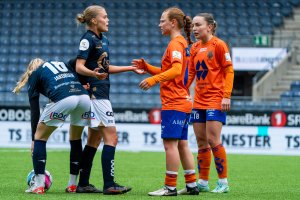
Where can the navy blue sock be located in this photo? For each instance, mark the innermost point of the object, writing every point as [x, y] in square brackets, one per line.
[108, 162]
[88, 155]
[75, 156]
[39, 156]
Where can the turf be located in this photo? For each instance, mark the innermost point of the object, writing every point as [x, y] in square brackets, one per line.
[251, 176]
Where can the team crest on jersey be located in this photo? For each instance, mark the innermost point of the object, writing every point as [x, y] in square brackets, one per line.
[210, 55]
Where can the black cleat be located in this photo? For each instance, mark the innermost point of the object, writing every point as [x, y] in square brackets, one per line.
[116, 189]
[189, 191]
[88, 189]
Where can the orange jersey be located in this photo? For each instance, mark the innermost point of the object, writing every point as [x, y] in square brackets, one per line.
[210, 63]
[173, 93]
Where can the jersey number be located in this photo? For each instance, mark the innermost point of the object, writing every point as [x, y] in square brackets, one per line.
[56, 67]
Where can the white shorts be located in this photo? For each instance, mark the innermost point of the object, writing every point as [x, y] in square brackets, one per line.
[101, 113]
[78, 107]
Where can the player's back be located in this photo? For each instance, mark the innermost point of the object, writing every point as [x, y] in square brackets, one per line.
[55, 80]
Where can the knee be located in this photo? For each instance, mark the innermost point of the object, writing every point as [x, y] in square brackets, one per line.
[213, 141]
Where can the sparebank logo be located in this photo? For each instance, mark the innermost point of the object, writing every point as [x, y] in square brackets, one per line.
[201, 70]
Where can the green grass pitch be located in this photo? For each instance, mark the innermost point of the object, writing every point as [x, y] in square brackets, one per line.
[250, 176]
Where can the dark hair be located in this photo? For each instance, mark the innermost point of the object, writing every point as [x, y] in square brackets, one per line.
[88, 14]
[183, 21]
[209, 18]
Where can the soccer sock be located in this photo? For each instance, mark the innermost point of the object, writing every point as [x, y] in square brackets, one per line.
[108, 165]
[220, 160]
[39, 157]
[204, 160]
[171, 179]
[86, 164]
[190, 178]
[75, 156]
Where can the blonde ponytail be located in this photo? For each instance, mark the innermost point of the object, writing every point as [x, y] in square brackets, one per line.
[32, 66]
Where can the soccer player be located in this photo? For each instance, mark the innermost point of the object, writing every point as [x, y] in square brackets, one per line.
[93, 53]
[58, 82]
[176, 102]
[210, 63]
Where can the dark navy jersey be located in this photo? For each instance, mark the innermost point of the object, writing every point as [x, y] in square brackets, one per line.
[55, 80]
[94, 49]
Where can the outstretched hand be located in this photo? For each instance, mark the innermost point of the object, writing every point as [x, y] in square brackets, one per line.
[100, 76]
[139, 63]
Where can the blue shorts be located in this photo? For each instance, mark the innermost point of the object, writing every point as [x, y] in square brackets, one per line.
[201, 116]
[174, 124]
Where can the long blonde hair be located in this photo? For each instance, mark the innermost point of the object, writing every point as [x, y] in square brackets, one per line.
[32, 66]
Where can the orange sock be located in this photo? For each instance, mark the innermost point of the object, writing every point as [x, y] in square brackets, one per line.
[220, 160]
[171, 178]
[190, 176]
[204, 160]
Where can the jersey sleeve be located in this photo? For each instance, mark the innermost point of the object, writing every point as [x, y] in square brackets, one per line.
[191, 67]
[85, 47]
[176, 52]
[223, 55]
[33, 83]
[34, 114]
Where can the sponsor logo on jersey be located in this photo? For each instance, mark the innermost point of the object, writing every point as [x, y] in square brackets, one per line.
[202, 49]
[84, 45]
[176, 54]
[201, 70]
[227, 57]
[59, 116]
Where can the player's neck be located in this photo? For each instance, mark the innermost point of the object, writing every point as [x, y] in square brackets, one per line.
[175, 34]
[95, 30]
[205, 40]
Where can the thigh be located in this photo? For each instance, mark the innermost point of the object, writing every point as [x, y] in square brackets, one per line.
[43, 131]
[213, 130]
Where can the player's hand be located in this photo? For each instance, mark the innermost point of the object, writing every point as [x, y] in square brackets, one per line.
[225, 104]
[138, 71]
[100, 76]
[140, 64]
[87, 86]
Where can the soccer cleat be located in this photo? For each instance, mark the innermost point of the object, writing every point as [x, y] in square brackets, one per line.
[221, 188]
[203, 188]
[87, 189]
[189, 191]
[116, 189]
[165, 191]
[35, 190]
[71, 189]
